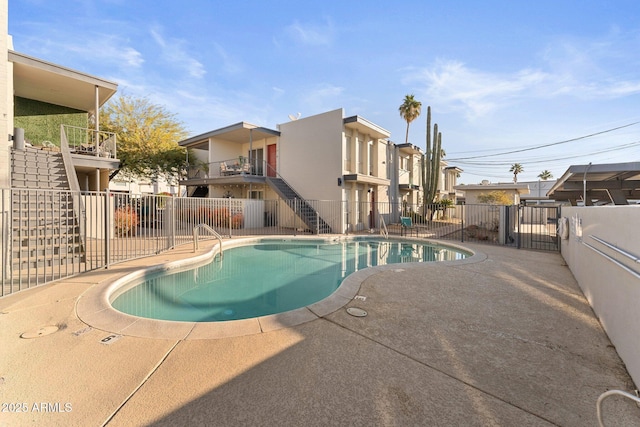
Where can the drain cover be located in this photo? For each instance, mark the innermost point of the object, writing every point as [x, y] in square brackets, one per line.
[110, 339]
[355, 311]
[40, 332]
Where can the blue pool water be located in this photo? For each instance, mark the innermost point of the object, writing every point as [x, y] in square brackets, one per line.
[268, 277]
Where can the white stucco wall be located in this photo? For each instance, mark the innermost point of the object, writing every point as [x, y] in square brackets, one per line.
[310, 155]
[613, 292]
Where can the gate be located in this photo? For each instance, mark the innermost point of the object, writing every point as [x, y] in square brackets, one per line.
[537, 227]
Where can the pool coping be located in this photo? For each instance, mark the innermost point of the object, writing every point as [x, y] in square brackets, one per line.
[94, 307]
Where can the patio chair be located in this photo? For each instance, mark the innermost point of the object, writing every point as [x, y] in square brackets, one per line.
[407, 226]
[246, 168]
[224, 170]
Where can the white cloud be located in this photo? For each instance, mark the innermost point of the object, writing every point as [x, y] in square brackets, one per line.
[311, 34]
[320, 98]
[229, 64]
[456, 87]
[175, 52]
[452, 85]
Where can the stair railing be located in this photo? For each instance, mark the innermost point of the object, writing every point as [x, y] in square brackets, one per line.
[74, 185]
[268, 168]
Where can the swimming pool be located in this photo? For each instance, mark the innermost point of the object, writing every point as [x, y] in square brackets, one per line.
[266, 277]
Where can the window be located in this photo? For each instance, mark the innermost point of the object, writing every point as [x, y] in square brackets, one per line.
[371, 156]
[257, 159]
[361, 154]
[347, 147]
[256, 195]
[404, 163]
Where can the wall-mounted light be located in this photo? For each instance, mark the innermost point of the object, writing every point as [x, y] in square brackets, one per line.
[339, 182]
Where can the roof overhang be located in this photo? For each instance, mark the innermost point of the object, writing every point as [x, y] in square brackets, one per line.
[43, 81]
[518, 188]
[364, 126]
[454, 169]
[616, 183]
[366, 179]
[239, 133]
[409, 148]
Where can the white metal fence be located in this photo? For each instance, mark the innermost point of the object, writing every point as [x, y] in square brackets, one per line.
[47, 235]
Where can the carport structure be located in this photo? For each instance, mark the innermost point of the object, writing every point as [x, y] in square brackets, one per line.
[614, 183]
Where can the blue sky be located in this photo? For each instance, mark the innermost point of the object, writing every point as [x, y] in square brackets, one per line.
[500, 76]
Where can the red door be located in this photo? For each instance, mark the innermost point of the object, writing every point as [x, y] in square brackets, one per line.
[271, 160]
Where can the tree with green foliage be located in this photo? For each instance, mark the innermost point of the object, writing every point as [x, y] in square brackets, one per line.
[495, 197]
[516, 168]
[545, 175]
[147, 136]
[410, 110]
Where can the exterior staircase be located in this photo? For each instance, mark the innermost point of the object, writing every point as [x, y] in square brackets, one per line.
[304, 210]
[38, 169]
[200, 191]
[45, 233]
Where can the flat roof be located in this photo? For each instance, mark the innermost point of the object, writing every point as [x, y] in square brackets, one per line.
[616, 183]
[365, 126]
[409, 148]
[240, 133]
[519, 188]
[44, 81]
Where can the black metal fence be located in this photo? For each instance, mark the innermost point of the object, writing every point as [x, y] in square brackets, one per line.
[47, 235]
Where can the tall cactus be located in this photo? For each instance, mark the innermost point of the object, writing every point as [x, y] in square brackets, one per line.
[431, 163]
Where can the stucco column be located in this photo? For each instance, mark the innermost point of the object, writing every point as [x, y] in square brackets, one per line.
[97, 121]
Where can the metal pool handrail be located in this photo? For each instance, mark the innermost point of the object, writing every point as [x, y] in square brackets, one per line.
[383, 229]
[210, 230]
[609, 393]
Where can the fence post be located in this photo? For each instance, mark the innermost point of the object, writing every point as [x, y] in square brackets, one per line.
[172, 221]
[462, 225]
[295, 216]
[6, 261]
[518, 242]
[558, 214]
[230, 215]
[107, 228]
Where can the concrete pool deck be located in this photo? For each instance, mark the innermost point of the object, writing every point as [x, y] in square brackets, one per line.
[508, 339]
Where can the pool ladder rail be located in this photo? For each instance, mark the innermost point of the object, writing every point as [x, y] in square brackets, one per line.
[383, 230]
[196, 233]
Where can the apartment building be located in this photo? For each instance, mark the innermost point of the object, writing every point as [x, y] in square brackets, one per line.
[328, 156]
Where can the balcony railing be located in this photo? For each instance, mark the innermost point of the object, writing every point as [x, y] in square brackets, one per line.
[231, 167]
[90, 142]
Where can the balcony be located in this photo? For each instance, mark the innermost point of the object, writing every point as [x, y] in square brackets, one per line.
[237, 170]
[90, 142]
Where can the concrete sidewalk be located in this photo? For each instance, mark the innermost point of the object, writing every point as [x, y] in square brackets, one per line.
[508, 340]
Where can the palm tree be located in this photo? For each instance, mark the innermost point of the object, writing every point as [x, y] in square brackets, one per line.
[516, 168]
[410, 110]
[545, 175]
